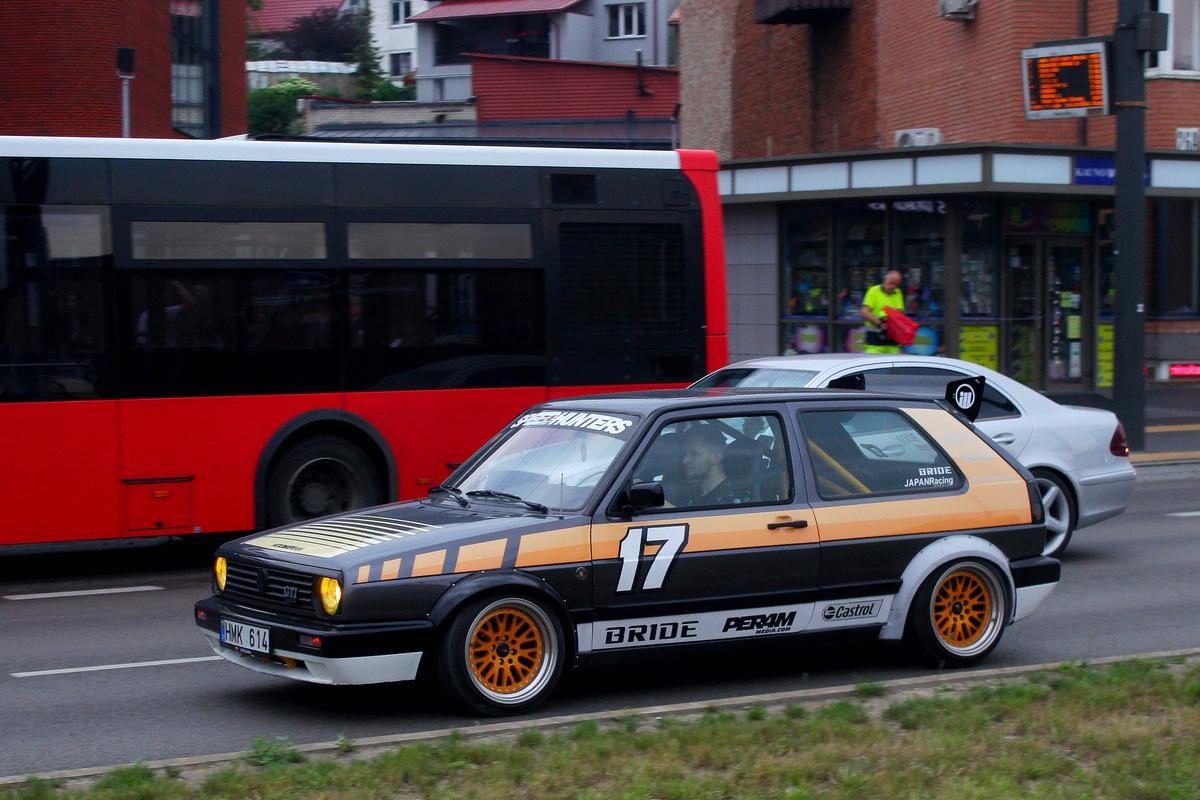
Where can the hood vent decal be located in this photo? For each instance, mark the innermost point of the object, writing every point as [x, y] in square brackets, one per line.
[333, 537]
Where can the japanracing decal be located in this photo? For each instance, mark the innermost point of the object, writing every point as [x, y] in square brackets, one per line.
[931, 476]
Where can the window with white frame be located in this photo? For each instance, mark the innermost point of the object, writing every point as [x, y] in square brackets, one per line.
[400, 64]
[1183, 53]
[626, 20]
[401, 11]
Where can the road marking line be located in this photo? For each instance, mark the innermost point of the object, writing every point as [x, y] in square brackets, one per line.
[102, 667]
[1186, 454]
[82, 593]
[1185, 514]
[1171, 428]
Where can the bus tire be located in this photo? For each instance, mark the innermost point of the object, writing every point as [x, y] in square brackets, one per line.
[321, 476]
[501, 655]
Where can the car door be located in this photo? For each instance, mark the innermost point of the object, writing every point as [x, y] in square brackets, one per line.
[710, 565]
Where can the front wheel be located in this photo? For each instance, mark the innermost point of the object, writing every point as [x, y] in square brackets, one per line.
[1061, 514]
[958, 614]
[501, 656]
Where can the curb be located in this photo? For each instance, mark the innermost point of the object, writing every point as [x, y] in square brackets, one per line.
[940, 678]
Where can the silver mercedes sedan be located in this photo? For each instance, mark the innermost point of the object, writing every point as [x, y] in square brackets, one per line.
[1079, 455]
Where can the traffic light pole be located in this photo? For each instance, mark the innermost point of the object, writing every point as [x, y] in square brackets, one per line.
[1129, 247]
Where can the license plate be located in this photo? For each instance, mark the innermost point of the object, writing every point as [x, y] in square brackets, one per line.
[246, 637]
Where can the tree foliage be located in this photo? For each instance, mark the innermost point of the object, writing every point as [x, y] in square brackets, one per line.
[327, 34]
[273, 110]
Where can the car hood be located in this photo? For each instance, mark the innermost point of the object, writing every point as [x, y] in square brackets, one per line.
[351, 541]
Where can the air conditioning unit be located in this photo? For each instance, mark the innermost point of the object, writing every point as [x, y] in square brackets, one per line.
[918, 137]
[957, 9]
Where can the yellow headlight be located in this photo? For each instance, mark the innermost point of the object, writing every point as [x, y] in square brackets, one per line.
[331, 594]
[219, 574]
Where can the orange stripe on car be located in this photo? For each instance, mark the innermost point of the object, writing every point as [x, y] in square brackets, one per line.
[429, 563]
[722, 530]
[391, 570]
[364, 574]
[484, 555]
[564, 546]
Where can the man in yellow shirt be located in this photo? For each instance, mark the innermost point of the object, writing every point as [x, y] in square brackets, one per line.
[878, 299]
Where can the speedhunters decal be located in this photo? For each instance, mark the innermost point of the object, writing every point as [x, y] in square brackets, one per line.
[584, 420]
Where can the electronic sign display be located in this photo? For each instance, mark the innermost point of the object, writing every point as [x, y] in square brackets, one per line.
[1067, 80]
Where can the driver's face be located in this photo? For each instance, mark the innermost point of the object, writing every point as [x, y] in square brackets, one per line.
[699, 460]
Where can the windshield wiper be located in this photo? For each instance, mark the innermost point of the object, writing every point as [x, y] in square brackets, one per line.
[455, 493]
[506, 496]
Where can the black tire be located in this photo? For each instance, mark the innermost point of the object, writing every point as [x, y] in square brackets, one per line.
[321, 476]
[958, 615]
[1061, 513]
[501, 655]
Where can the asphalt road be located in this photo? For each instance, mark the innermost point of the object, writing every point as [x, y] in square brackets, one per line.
[79, 686]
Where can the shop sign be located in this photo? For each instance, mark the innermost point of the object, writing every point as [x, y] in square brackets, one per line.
[1101, 171]
[1185, 370]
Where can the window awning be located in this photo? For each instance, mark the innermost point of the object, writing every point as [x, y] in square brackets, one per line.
[462, 9]
[798, 12]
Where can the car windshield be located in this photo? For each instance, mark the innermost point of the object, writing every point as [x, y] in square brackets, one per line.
[751, 377]
[552, 458]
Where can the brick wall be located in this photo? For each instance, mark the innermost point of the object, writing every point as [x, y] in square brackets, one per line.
[59, 63]
[890, 65]
[706, 51]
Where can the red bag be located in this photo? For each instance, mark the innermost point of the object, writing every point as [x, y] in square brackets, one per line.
[900, 327]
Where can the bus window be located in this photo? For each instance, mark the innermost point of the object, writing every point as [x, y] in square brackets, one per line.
[444, 328]
[451, 240]
[209, 240]
[207, 333]
[53, 344]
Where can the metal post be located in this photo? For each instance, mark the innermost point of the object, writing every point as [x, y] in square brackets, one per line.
[1129, 255]
[125, 79]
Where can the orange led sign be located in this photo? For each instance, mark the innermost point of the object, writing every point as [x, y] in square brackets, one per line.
[1069, 80]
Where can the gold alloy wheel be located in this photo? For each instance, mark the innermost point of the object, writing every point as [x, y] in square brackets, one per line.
[511, 650]
[966, 609]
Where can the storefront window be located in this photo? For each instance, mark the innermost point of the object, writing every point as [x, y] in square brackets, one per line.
[980, 254]
[919, 247]
[806, 263]
[860, 255]
[1174, 278]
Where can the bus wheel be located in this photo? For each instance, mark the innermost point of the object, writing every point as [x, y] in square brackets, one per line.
[321, 476]
[501, 655]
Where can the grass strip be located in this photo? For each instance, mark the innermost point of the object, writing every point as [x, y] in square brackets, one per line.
[1129, 730]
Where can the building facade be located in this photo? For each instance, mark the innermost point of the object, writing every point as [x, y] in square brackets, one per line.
[861, 136]
[450, 31]
[60, 64]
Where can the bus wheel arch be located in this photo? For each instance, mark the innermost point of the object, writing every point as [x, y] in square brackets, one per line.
[330, 442]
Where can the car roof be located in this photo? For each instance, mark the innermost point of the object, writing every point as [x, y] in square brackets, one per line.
[650, 401]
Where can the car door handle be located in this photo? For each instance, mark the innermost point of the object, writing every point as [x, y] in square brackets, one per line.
[799, 523]
[1004, 438]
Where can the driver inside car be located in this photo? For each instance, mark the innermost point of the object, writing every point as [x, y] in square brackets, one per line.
[705, 481]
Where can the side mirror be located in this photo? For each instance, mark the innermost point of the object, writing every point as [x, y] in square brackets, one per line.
[646, 495]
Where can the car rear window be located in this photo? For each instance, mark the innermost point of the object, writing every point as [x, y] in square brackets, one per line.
[873, 451]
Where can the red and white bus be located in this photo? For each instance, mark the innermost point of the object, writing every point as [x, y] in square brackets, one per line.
[224, 336]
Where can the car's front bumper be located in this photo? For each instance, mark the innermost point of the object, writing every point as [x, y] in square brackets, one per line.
[346, 653]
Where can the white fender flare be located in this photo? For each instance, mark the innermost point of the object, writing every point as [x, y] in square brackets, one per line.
[923, 564]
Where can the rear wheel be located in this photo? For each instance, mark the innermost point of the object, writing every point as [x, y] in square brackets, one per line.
[502, 655]
[1061, 514]
[321, 476]
[958, 614]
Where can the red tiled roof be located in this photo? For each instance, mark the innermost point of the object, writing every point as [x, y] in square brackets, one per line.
[457, 9]
[277, 15]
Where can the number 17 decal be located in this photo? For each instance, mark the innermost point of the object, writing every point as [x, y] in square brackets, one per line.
[671, 539]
